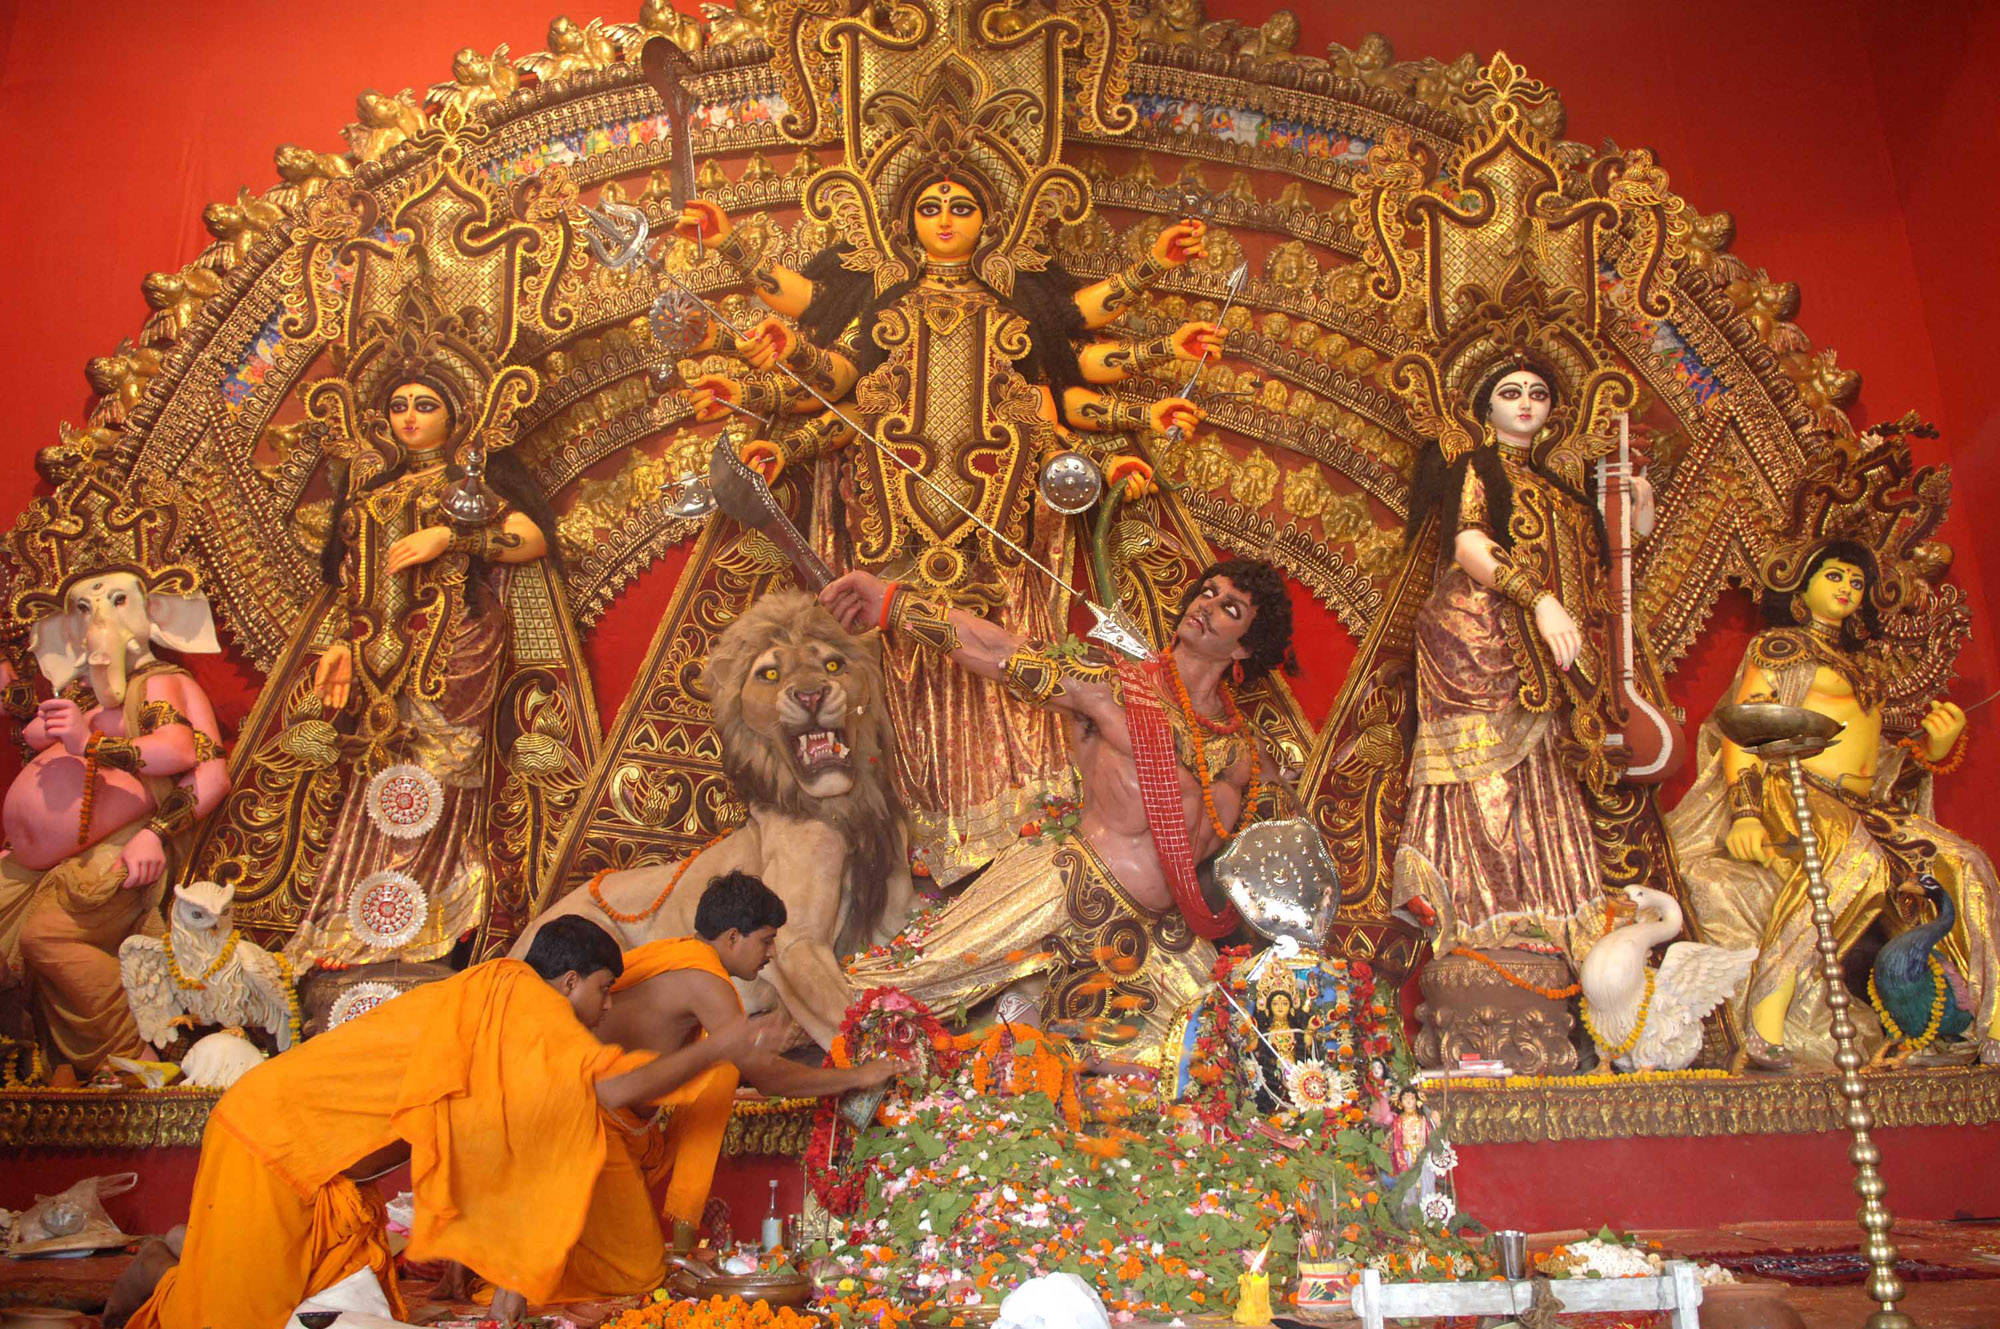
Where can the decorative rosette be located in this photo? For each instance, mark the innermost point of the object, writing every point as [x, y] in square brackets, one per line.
[358, 1000]
[1439, 1208]
[388, 909]
[405, 801]
[1314, 1085]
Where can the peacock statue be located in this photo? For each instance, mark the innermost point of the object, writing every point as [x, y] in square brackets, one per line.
[1647, 1020]
[1909, 988]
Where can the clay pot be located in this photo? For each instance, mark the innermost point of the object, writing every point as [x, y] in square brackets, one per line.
[40, 1317]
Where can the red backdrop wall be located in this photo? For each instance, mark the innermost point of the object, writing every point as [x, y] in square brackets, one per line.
[1854, 143]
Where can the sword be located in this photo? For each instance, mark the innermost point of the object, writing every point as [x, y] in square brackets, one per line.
[1110, 626]
[667, 68]
[1236, 280]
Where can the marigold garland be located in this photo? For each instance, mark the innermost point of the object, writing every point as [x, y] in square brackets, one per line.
[16, 1053]
[1553, 994]
[664, 1312]
[1894, 1030]
[597, 883]
[292, 1017]
[1235, 725]
[1638, 1026]
[89, 804]
[1951, 762]
[181, 980]
[1034, 1060]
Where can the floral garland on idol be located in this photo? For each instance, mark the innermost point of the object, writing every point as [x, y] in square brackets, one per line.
[883, 1022]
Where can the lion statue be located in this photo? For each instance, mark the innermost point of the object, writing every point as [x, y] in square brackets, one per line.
[807, 743]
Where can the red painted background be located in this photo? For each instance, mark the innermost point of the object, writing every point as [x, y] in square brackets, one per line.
[1854, 142]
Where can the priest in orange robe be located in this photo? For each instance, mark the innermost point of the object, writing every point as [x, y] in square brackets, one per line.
[494, 1088]
[677, 994]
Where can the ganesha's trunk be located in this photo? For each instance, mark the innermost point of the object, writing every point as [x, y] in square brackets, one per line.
[110, 646]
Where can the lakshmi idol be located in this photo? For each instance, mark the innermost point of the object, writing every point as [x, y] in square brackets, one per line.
[417, 635]
[1869, 793]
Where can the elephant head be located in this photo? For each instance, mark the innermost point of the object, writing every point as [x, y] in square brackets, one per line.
[108, 625]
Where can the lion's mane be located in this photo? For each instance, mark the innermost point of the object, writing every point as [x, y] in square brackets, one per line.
[869, 816]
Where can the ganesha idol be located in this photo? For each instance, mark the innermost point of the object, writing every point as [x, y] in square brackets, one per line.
[125, 759]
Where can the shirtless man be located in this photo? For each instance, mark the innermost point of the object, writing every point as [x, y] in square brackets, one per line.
[1107, 918]
[676, 991]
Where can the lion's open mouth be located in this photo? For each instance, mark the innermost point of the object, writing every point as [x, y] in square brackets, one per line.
[818, 749]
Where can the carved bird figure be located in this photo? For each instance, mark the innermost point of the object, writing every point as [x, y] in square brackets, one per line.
[204, 973]
[1912, 988]
[1620, 991]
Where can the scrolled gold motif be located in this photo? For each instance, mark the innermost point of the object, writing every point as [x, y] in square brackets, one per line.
[1739, 392]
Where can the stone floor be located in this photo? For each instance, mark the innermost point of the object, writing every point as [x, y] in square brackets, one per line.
[1958, 1304]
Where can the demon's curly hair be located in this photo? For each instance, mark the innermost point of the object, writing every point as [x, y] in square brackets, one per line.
[1777, 604]
[1269, 637]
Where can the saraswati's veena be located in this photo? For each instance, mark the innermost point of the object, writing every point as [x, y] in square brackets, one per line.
[1657, 743]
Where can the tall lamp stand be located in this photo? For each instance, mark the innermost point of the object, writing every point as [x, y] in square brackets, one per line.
[1788, 734]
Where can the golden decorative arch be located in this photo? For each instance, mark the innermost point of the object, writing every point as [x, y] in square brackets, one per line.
[1357, 186]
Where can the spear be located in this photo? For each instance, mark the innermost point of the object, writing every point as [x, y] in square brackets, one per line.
[1236, 280]
[1110, 627]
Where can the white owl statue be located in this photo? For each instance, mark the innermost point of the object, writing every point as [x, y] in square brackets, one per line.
[204, 972]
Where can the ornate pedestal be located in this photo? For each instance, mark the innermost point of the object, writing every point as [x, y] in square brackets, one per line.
[1470, 1010]
[334, 996]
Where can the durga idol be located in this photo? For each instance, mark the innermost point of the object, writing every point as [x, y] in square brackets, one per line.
[971, 370]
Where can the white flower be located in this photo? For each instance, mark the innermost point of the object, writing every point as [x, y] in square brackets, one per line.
[1445, 1157]
[1438, 1208]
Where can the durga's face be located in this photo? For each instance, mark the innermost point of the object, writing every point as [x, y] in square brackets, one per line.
[948, 219]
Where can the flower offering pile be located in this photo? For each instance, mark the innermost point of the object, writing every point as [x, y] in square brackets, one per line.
[1024, 1153]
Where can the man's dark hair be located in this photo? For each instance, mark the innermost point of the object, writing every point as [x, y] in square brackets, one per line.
[574, 945]
[1269, 639]
[737, 900]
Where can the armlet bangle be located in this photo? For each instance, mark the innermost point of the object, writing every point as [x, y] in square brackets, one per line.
[118, 754]
[1518, 586]
[923, 622]
[176, 813]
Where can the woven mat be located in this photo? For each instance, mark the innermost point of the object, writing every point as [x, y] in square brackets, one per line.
[1832, 1268]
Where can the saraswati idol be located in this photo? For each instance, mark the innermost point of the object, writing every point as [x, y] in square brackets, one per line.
[1529, 673]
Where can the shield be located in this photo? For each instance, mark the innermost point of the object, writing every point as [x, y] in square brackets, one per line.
[1281, 878]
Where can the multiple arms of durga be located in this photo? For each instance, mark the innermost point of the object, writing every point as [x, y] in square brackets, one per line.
[947, 220]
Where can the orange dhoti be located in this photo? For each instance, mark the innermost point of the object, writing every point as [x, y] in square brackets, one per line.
[490, 1080]
[684, 1150]
[620, 1252]
[256, 1248]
